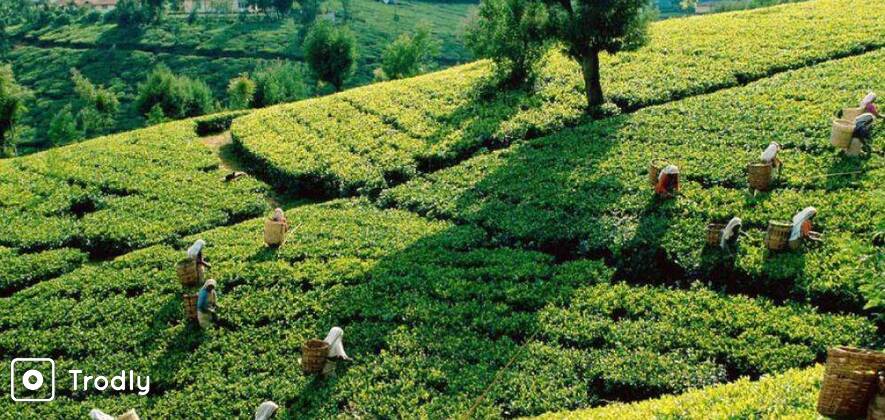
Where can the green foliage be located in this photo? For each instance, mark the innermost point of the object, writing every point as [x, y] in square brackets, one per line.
[18, 271]
[511, 33]
[330, 52]
[409, 55]
[278, 82]
[240, 92]
[97, 106]
[792, 394]
[177, 96]
[12, 106]
[63, 128]
[155, 116]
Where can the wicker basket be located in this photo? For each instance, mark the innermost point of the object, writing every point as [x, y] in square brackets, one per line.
[190, 306]
[877, 405]
[759, 176]
[313, 356]
[840, 136]
[189, 272]
[778, 236]
[654, 169]
[850, 381]
[275, 232]
[849, 114]
[714, 233]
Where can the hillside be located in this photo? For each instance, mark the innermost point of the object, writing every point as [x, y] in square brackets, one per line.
[488, 253]
[214, 49]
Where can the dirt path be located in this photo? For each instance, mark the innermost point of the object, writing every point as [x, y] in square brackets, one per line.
[222, 145]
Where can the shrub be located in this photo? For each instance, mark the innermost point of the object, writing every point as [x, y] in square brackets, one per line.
[331, 53]
[177, 96]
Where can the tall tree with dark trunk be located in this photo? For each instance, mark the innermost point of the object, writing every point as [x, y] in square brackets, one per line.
[586, 28]
[12, 106]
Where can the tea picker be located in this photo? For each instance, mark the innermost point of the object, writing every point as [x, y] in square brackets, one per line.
[276, 228]
[665, 180]
[266, 411]
[314, 353]
[801, 227]
[207, 304]
[191, 269]
[96, 414]
[853, 385]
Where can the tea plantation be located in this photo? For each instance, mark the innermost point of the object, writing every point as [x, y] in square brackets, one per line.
[488, 253]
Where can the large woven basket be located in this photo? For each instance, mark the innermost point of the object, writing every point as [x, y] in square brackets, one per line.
[313, 356]
[877, 404]
[189, 272]
[759, 176]
[274, 232]
[654, 169]
[778, 235]
[840, 136]
[714, 233]
[190, 306]
[849, 114]
[850, 382]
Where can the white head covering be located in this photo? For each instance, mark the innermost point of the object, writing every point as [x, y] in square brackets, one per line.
[195, 249]
[129, 415]
[868, 99]
[729, 231]
[800, 218]
[210, 282]
[266, 410]
[278, 214]
[336, 343]
[96, 414]
[669, 170]
[770, 152]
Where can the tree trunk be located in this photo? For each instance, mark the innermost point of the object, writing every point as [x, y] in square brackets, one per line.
[592, 86]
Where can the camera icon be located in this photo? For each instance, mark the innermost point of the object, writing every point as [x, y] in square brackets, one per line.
[32, 379]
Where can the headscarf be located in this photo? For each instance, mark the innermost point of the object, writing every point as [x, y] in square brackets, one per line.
[96, 414]
[336, 343]
[210, 282]
[129, 415]
[266, 410]
[664, 178]
[278, 215]
[870, 98]
[770, 152]
[807, 214]
[196, 248]
[729, 231]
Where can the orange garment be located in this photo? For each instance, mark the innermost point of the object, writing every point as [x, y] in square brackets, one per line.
[667, 183]
[806, 228]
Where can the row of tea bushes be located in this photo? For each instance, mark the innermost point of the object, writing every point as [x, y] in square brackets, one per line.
[366, 139]
[592, 196]
[790, 395]
[430, 316]
[18, 271]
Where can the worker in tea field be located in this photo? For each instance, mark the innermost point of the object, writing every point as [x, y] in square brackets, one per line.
[730, 233]
[206, 304]
[802, 225]
[97, 414]
[335, 340]
[769, 156]
[266, 411]
[868, 105]
[279, 216]
[195, 252]
[668, 181]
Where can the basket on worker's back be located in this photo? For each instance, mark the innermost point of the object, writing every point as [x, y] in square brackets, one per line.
[275, 232]
[190, 306]
[759, 176]
[313, 356]
[849, 114]
[841, 134]
[654, 170]
[850, 381]
[714, 233]
[877, 405]
[189, 272]
[778, 235]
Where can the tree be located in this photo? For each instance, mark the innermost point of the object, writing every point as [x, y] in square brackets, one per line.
[510, 32]
[12, 106]
[240, 92]
[277, 83]
[331, 53]
[409, 55]
[63, 127]
[97, 105]
[177, 96]
[155, 116]
[310, 9]
[586, 28]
